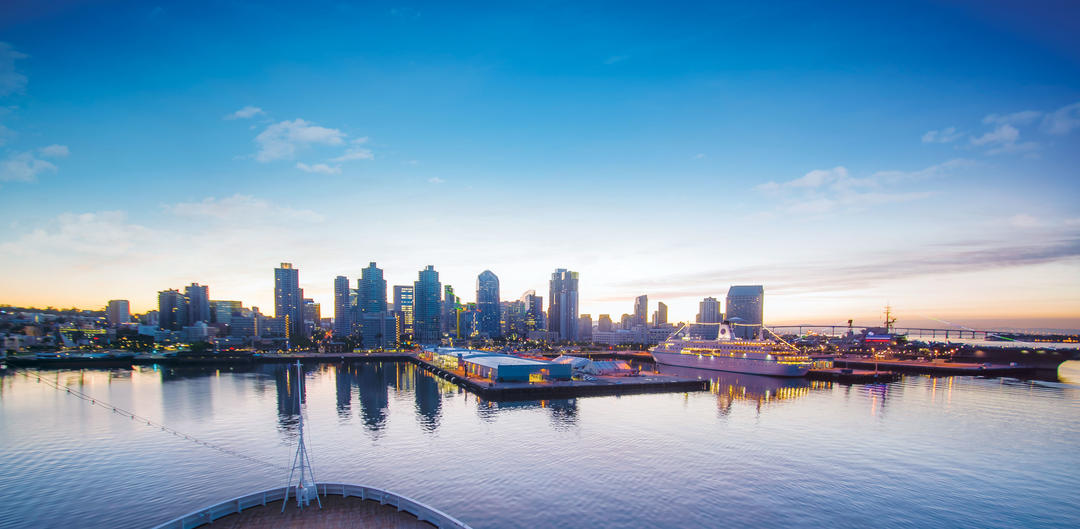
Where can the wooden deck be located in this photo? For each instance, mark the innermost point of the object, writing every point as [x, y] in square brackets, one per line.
[336, 512]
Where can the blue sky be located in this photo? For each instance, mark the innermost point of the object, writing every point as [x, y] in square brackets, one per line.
[843, 154]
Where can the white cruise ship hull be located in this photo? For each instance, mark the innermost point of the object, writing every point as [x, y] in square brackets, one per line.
[734, 365]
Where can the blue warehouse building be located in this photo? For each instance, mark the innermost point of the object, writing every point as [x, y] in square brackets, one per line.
[499, 367]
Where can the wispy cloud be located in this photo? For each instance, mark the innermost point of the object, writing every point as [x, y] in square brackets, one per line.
[242, 209]
[946, 135]
[106, 233]
[281, 141]
[824, 190]
[356, 152]
[872, 271]
[1004, 139]
[1024, 117]
[11, 81]
[245, 113]
[54, 151]
[23, 167]
[699, 156]
[1062, 120]
[436, 180]
[319, 168]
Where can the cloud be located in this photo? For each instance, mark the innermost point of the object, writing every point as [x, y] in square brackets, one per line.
[946, 135]
[436, 180]
[103, 234]
[23, 167]
[54, 151]
[318, 168]
[824, 190]
[699, 156]
[1016, 118]
[1023, 220]
[1004, 140]
[280, 141]
[245, 113]
[873, 270]
[242, 209]
[10, 81]
[355, 153]
[1062, 120]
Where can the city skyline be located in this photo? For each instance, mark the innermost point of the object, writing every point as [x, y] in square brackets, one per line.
[844, 156]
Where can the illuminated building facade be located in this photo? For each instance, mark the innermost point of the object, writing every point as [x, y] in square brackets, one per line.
[487, 302]
[709, 311]
[288, 299]
[747, 303]
[342, 320]
[426, 306]
[118, 312]
[563, 311]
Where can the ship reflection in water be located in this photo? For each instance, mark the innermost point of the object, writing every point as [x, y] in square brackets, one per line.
[730, 387]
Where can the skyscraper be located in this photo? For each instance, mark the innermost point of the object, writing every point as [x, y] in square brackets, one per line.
[641, 310]
[709, 311]
[426, 306]
[584, 328]
[450, 305]
[746, 308]
[403, 304]
[172, 310]
[604, 323]
[117, 312]
[342, 325]
[660, 316]
[487, 301]
[198, 298]
[563, 309]
[289, 299]
[372, 289]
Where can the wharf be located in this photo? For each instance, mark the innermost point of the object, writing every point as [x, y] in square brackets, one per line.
[204, 359]
[852, 376]
[939, 368]
[602, 385]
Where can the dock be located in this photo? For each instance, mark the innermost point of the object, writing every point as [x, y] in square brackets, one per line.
[852, 376]
[600, 385]
[938, 368]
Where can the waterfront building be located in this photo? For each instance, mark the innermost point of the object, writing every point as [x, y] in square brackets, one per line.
[198, 298]
[709, 311]
[497, 367]
[746, 302]
[534, 311]
[288, 300]
[563, 309]
[222, 311]
[604, 324]
[118, 312]
[342, 324]
[150, 318]
[372, 289]
[641, 310]
[660, 316]
[584, 328]
[426, 306]
[312, 315]
[172, 310]
[626, 322]
[403, 305]
[378, 330]
[487, 302]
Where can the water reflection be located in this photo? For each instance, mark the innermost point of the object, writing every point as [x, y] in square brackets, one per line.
[428, 400]
[732, 387]
[373, 379]
[563, 412]
[343, 382]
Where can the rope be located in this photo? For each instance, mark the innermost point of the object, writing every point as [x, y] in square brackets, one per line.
[93, 401]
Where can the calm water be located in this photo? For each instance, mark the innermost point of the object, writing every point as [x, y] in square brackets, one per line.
[944, 452]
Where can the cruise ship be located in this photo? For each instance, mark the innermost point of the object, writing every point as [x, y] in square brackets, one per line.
[714, 346]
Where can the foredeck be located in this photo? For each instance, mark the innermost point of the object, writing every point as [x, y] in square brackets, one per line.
[336, 511]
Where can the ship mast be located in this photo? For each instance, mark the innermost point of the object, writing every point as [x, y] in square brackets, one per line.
[889, 320]
[305, 485]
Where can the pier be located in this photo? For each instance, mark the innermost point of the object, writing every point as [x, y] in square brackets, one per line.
[852, 376]
[938, 368]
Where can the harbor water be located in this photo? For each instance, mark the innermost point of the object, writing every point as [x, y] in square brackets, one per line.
[753, 452]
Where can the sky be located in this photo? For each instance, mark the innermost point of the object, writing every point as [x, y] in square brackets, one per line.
[844, 155]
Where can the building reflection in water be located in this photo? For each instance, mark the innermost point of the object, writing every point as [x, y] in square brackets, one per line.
[286, 383]
[373, 379]
[759, 389]
[343, 384]
[428, 399]
[563, 412]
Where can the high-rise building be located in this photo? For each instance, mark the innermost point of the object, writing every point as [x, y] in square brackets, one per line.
[450, 305]
[172, 310]
[641, 310]
[626, 322]
[378, 330]
[487, 302]
[426, 306]
[604, 324]
[342, 320]
[660, 316]
[709, 311]
[563, 308]
[312, 314]
[372, 289]
[198, 297]
[117, 312]
[222, 311]
[534, 311]
[746, 309]
[289, 300]
[403, 304]
[584, 328]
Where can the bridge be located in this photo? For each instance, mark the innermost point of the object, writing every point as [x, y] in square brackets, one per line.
[912, 332]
